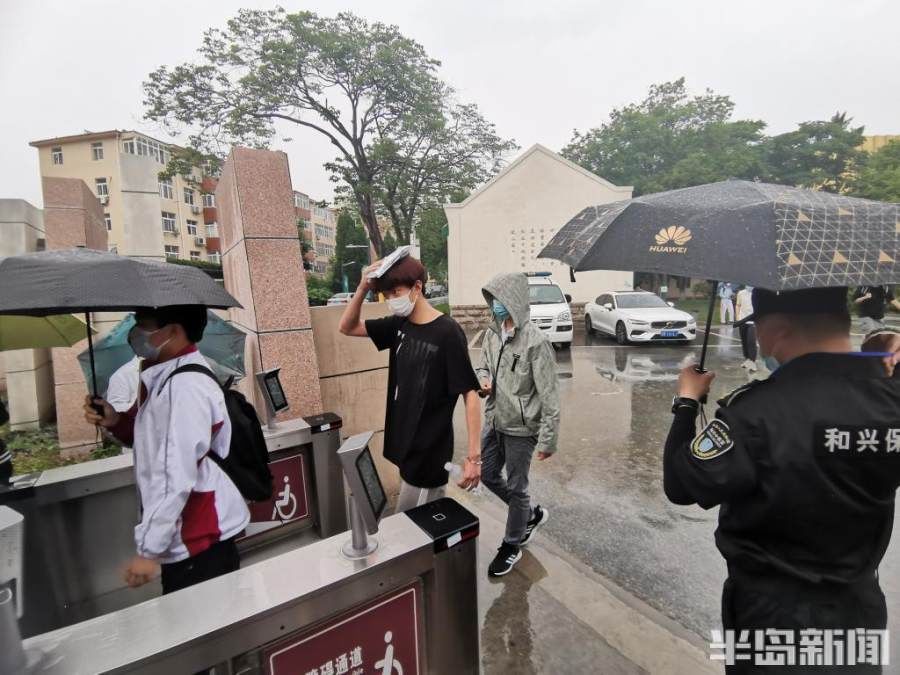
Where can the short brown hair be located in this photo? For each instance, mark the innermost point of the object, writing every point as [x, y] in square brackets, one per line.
[405, 273]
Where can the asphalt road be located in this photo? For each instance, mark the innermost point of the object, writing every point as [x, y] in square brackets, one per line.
[604, 486]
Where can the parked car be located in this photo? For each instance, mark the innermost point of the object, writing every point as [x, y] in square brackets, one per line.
[550, 309]
[339, 299]
[638, 316]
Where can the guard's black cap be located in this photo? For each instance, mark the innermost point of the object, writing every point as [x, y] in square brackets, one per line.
[806, 301]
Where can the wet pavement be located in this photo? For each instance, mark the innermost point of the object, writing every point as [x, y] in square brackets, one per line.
[604, 490]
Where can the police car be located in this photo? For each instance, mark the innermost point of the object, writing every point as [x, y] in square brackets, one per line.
[550, 309]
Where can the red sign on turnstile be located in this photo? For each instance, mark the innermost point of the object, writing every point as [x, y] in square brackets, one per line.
[288, 502]
[380, 637]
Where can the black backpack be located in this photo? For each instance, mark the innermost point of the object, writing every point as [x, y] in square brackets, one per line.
[247, 464]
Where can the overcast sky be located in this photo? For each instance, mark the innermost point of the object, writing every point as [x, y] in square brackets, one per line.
[536, 69]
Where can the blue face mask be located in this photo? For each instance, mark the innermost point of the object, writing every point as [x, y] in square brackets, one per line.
[499, 311]
[772, 364]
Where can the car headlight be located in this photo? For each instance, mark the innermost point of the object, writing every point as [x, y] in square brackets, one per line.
[635, 322]
[564, 316]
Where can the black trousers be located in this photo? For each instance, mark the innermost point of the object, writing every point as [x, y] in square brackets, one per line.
[748, 340]
[756, 602]
[220, 558]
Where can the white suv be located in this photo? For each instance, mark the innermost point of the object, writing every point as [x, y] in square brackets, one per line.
[550, 309]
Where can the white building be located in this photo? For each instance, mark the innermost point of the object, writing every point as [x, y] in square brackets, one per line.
[504, 225]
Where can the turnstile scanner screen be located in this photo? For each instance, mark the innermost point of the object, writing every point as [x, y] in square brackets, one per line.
[372, 485]
[275, 391]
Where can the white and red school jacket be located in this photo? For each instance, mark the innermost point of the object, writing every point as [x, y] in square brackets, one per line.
[188, 502]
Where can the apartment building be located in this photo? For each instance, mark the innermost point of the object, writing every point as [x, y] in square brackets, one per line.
[145, 215]
[318, 226]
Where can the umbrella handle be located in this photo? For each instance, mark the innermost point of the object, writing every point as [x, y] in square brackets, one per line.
[714, 286]
[96, 406]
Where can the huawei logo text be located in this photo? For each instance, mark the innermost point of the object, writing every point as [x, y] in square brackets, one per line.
[671, 240]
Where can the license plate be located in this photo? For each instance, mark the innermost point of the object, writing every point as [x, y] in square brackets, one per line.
[670, 333]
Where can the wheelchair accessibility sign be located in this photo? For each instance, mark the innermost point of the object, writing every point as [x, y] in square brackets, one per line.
[377, 638]
[288, 502]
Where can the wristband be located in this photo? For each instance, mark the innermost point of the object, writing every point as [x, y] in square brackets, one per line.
[679, 402]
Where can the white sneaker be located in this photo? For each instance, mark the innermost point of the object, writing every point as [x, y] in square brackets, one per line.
[751, 366]
[746, 364]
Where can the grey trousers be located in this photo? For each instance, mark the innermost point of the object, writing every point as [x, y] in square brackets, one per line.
[513, 452]
[867, 324]
[411, 496]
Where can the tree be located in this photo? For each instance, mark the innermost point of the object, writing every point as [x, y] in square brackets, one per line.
[349, 261]
[432, 157]
[822, 154]
[390, 244]
[879, 177]
[342, 77]
[671, 140]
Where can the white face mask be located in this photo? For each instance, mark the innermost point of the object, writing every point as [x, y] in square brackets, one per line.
[402, 305]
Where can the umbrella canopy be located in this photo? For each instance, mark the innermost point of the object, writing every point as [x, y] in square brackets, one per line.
[84, 280]
[32, 332]
[222, 345]
[772, 236]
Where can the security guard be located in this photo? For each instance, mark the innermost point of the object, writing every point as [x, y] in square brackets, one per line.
[804, 466]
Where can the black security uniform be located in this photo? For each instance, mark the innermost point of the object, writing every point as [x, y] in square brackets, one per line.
[804, 465]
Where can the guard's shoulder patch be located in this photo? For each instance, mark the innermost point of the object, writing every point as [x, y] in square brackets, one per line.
[712, 441]
[728, 400]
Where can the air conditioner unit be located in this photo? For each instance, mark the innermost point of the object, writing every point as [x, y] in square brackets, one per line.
[199, 241]
[195, 209]
[104, 199]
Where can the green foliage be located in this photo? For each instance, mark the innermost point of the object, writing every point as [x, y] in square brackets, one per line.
[432, 234]
[38, 449]
[349, 261]
[879, 177]
[389, 245]
[821, 154]
[318, 289]
[670, 140]
[212, 269]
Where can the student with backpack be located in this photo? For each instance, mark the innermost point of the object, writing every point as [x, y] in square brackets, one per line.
[181, 432]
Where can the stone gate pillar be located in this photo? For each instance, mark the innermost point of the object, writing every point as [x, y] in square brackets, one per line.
[73, 217]
[262, 264]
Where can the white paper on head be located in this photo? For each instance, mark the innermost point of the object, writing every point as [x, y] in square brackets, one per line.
[390, 261]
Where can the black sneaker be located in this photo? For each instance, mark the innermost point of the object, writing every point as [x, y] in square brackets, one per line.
[539, 516]
[507, 556]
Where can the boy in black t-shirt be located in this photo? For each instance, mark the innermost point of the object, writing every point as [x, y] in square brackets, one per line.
[872, 302]
[428, 369]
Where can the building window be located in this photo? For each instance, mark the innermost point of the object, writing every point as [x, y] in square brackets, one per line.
[188, 196]
[195, 255]
[192, 227]
[325, 250]
[165, 189]
[108, 220]
[323, 232]
[168, 222]
[319, 212]
[102, 187]
[97, 151]
[144, 147]
[212, 230]
[301, 201]
[56, 153]
[209, 200]
[214, 258]
[171, 251]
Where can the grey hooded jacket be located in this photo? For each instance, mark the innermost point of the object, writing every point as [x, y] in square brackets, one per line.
[525, 398]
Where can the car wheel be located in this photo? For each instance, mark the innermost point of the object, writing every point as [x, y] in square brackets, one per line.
[621, 334]
[588, 325]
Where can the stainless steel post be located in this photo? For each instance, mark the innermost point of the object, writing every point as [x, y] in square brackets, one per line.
[359, 545]
[329, 478]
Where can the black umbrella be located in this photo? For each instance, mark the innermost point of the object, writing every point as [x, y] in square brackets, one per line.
[772, 236]
[85, 280]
